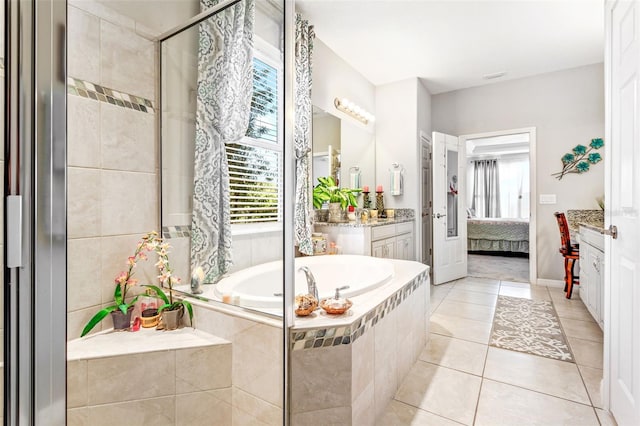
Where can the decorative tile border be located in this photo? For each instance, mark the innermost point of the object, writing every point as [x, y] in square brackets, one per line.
[345, 335]
[169, 232]
[103, 94]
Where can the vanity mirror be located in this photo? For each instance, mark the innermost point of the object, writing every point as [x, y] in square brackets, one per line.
[342, 149]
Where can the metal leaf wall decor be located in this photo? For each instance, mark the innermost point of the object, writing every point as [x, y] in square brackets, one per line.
[580, 159]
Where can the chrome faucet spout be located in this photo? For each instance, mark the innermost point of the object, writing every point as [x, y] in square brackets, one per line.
[312, 288]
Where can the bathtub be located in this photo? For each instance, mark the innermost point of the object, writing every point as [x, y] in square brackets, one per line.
[260, 286]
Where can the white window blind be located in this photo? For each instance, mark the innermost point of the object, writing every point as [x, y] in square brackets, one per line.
[255, 163]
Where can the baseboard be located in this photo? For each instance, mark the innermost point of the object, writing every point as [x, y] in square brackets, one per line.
[558, 284]
[550, 283]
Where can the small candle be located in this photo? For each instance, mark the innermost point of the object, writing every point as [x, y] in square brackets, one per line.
[379, 188]
[365, 188]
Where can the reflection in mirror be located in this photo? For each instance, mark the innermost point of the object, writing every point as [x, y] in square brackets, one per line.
[326, 145]
[352, 164]
[452, 193]
[224, 228]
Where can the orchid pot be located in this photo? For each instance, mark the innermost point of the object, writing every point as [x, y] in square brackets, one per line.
[172, 319]
[121, 320]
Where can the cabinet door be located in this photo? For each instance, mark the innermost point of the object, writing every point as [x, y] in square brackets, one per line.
[585, 274]
[404, 247]
[384, 248]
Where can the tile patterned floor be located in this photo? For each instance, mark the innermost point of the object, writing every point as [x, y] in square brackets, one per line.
[459, 379]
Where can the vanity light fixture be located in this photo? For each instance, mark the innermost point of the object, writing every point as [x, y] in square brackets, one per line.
[348, 107]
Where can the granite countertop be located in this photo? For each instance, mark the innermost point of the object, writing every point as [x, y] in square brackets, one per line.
[374, 222]
[592, 219]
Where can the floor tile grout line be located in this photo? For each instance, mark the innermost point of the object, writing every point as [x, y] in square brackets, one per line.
[541, 393]
[452, 368]
[427, 411]
[460, 338]
[475, 412]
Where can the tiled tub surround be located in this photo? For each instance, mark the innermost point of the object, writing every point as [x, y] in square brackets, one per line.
[182, 377]
[257, 360]
[347, 368]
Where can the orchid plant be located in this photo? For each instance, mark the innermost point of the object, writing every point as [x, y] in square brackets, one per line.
[580, 159]
[167, 279]
[124, 281]
[150, 242]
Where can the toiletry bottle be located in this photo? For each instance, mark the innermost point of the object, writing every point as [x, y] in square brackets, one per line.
[352, 214]
[332, 248]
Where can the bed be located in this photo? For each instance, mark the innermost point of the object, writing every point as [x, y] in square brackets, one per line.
[498, 235]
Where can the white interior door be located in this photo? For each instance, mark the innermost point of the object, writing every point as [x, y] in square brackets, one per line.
[449, 211]
[425, 146]
[622, 346]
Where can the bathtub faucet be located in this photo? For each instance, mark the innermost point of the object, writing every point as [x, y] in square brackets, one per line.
[311, 281]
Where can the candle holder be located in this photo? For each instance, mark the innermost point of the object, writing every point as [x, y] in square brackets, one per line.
[380, 204]
[366, 200]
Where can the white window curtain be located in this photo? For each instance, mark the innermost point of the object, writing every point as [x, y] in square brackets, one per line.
[514, 186]
[485, 190]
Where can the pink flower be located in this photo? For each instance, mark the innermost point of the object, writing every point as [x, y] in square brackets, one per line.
[175, 280]
[131, 260]
[122, 278]
[164, 276]
[132, 281]
[142, 256]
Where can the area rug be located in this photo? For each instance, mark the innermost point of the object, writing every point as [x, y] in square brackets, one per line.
[529, 326]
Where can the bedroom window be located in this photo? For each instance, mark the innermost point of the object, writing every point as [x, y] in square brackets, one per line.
[499, 187]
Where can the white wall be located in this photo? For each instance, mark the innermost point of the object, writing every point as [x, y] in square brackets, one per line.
[567, 109]
[404, 109]
[333, 77]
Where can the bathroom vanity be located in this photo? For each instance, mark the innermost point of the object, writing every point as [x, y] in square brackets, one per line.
[385, 238]
[592, 270]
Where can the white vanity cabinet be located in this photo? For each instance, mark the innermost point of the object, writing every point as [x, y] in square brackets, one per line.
[591, 271]
[387, 240]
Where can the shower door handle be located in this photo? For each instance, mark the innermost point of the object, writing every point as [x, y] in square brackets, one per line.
[438, 216]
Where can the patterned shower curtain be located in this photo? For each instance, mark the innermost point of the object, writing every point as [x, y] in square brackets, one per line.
[225, 87]
[302, 133]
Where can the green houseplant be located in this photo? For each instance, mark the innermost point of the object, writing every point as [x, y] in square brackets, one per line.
[328, 191]
[121, 309]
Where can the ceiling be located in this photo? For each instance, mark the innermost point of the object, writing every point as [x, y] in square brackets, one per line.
[452, 44]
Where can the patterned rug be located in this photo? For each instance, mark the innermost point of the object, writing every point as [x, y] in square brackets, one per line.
[529, 326]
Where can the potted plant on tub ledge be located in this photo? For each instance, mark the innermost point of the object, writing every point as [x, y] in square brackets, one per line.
[338, 198]
[121, 309]
[173, 309]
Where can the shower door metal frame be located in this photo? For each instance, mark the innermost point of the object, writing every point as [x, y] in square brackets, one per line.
[35, 178]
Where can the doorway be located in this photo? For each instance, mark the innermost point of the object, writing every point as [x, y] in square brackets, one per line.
[501, 194]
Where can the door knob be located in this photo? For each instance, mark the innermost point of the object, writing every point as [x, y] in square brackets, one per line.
[438, 216]
[612, 231]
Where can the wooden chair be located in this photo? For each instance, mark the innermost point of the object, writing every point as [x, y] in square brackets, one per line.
[570, 252]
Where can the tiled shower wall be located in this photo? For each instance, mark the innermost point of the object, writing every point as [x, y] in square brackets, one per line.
[112, 156]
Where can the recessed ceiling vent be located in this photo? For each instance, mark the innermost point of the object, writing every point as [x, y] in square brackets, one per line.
[494, 75]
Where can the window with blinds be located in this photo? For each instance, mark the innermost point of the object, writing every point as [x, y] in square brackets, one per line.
[255, 163]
